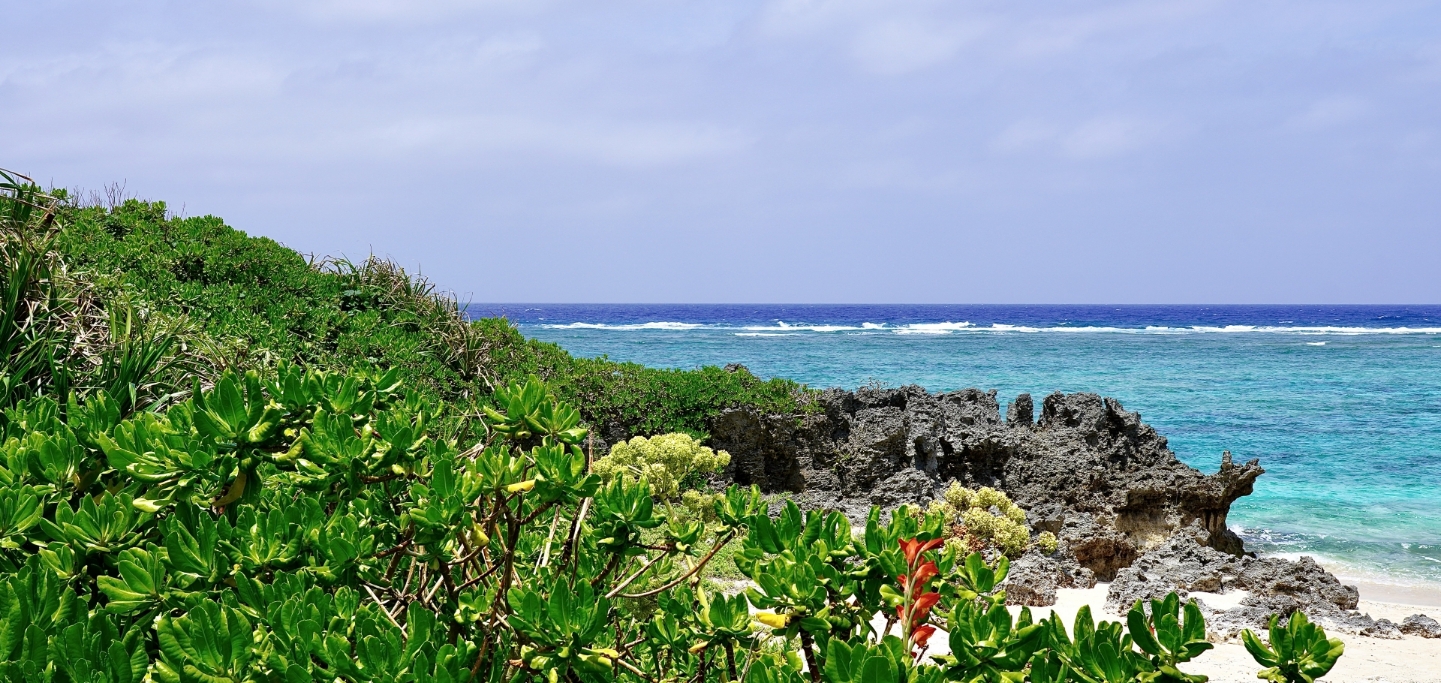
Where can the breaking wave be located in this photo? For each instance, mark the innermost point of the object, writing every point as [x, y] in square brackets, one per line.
[636, 326]
[963, 327]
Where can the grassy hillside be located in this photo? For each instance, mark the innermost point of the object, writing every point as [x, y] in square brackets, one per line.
[249, 302]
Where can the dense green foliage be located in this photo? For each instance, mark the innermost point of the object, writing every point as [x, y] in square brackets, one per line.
[251, 302]
[250, 490]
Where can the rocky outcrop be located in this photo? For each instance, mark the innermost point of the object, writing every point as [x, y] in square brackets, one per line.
[1123, 508]
[1421, 625]
[1267, 585]
[1087, 469]
[1181, 564]
[1034, 577]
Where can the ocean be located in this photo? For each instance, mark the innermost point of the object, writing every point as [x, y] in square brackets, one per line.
[1342, 404]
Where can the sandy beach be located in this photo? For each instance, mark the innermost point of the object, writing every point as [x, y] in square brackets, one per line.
[1409, 660]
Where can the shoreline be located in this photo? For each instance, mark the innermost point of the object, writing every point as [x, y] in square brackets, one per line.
[1395, 594]
[1374, 587]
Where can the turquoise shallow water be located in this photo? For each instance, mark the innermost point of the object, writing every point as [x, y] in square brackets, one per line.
[1341, 404]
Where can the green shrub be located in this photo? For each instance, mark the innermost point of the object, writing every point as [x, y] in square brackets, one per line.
[252, 302]
[1047, 542]
[663, 461]
[977, 527]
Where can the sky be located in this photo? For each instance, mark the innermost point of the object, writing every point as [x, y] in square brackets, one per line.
[1191, 151]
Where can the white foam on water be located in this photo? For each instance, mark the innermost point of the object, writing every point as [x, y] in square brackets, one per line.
[767, 334]
[637, 326]
[782, 325]
[1315, 343]
[949, 327]
[933, 328]
[1306, 329]
[1001, 327]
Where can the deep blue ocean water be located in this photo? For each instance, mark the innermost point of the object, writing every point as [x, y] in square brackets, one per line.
[1342, 404]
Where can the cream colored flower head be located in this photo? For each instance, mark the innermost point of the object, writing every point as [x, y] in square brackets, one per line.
[663, 461]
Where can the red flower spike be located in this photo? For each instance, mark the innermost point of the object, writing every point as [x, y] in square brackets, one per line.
[925, 573]
[913, 548]
[922, 606]
[915, 611]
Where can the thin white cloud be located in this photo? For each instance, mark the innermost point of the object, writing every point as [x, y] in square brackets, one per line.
[1024, 136]
[393, 11]
[1428, 64]
[511, 45]
[1329, 113]
[904, 45]
[780, 18]
[623, 144]
[1044, 34]
[1110, 136]
[1095, 138]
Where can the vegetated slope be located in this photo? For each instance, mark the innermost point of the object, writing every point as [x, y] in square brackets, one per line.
[251, 302]
[292, 524]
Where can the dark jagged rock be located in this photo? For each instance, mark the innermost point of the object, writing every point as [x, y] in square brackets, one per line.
[1047, 517]
[1021, 413]
[1421, 625]
[1121, 505]
[905, 486]
[1272, 586]
[1123, 508]
[1181, 564]
[1030, 583]
[1381, 628]
[1302, 581]
[1106, 483]
[1103, 549]
[1035, 577]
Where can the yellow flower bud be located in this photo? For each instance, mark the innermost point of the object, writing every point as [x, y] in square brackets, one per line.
[772, 619]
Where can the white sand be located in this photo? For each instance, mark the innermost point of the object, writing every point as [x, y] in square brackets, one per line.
[1409, 660]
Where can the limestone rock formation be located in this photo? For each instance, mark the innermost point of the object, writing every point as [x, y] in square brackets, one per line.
[1270, 585]
[1123, 508]
[1087, 469]
[1035, 577]
[1421, 625]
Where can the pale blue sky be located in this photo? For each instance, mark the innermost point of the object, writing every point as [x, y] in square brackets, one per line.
[771, 151]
